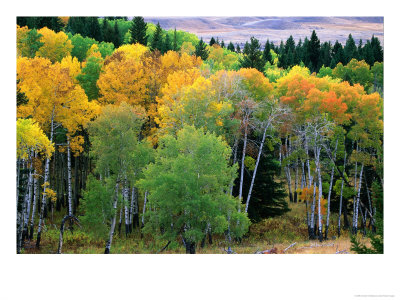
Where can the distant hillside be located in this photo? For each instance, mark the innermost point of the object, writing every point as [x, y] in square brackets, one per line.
[240, 29]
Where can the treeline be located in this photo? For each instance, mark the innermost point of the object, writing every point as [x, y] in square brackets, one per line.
[310, 53]
[180, 147]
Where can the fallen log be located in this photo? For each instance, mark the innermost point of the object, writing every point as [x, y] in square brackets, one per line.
[289, 247]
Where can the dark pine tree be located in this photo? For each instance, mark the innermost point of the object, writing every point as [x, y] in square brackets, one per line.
[94, 30]
[201, 50]
[269, 196]
[138, 31]
[107, 32]
[167, 44]
[231, 47]
[326, 54]
[117, 38]
[222, 44]
[368, 53]
[238, 50]
[267, 57]
[212, 41]
[337, 54]
[290, 48]
[299, 52]
[350, 49]
[377, 49]
[305, 54]
[252, 57]
[217, 42]
[157, 41]
[314, 48]
[174, 42]
[360, 54]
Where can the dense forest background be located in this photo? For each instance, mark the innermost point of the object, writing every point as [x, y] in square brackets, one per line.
[162, 142]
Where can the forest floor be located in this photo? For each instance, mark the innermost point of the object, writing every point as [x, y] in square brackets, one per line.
[273, 234]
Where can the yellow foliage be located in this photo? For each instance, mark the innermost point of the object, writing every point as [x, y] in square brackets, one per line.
[56, 45]
[187, 48]
[30, 137]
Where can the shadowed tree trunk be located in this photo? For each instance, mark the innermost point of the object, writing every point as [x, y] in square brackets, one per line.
[72, 219]
[110, 238]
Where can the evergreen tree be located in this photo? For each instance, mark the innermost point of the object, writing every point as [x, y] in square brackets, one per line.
[217, 42]
[138, 31]
[157, 41]
[368, 53]
[174, 43]
[326, 55]
[117, 38]
[107, 32]
[350, 49]
[222, 44]
[238, 50]
[94, 30]
[167, 44]
[360, 54]
[314, 52]
[377, 49]
[337, 54]
[289, 50]
[252, 55]
[231, 47]
[269, 196]
[267, 53]
[201, 50]
[53, 23]
[212, 41]
[305, 54]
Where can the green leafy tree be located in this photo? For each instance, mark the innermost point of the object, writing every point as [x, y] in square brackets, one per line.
[89, 76]
[81, 46]
[138, 31]
[189, 188]
[30, 43]
[201, 50]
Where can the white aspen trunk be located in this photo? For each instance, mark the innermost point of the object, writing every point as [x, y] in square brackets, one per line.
[308, 165]
[69, 177]
[369, 202]
[144, 207]
[358, 200]
[341, 194]
[287, 171]
[319, 194]
[131, 209]
[46, 179]
[256, 166]
[330, 192]
[302, 176]
[110, 238]
[242, 168]
[235, 147]
[296, 182]
[126, 199]
[28, 199]
[313, 211]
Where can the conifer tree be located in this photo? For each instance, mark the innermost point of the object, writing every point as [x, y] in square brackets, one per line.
[212, 41]
[157, 41]
[350, 49]
[377, 49]
[117, 38]
[231, 47]
[314, 52]
[222, 44]
[201, 50]
[167, 44]
[252, 55]
[238, 50]
[107, 32]
[174, 43]
[94, 28]
[138, 31]
[267, 52]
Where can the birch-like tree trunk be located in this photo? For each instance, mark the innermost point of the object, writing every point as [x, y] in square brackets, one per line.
[235, 148]
[126, 199]
[35, 196]
[256, 166]
[46, 181]
[355, 220]
[144, 207]
[318, 165]
[341, 194]
[69, 177]
[242, 168]
[296, 181]
[110, 238]
[312, 223]
[328, 210]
